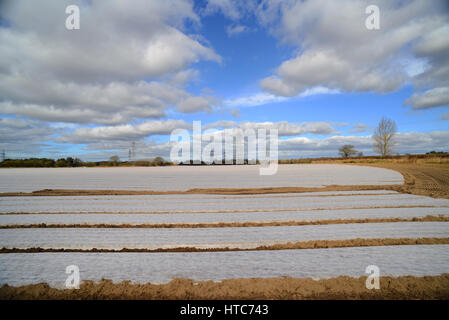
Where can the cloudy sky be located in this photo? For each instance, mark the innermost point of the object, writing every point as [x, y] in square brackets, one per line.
[138, 69]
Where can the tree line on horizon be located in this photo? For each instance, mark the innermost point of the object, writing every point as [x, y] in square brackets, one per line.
[70, 162]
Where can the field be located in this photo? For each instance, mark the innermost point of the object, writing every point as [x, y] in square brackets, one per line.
[183, 178]
[307, 232]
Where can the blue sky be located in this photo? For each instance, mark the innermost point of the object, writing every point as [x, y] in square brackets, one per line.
[137, 70]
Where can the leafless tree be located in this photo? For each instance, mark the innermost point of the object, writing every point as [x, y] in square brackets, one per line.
[384, 137]
[114, 159]
[347, 151]
[158, 161]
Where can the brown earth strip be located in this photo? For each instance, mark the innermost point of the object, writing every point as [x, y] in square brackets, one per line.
[421, 179]
[225, 191]
[312, 244]
[439, 218]
[228, 211]
[343, 287]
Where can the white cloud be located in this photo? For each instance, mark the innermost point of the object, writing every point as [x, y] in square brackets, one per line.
[111, 103]
[411, 142]
[131, 132]
[109, 44]
[295, 147]
[235, 30]
[326, 69]
[127, 132]
[96, 74]
[433, 42]
[50, 113]
[220, 124]
[257, 99]
[433, 47]
[143, 150]
[194, 104]
[27, 138]
[174, 51]
[119, 138]
[336, 51]
[359, 127]
[318, 90]
[20, 137]
[436, 97]
[261, 98]
[183, 77]
[301, 147]
[292, 129]
[235, 112]
[231, 9]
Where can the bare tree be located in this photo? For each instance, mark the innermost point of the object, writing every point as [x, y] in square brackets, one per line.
[384, 136]
[347, 151]
[158, 161]
[114, 159]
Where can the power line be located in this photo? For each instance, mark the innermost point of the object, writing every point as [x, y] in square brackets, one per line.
[133, 150]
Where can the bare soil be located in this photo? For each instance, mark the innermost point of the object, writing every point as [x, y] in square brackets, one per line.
[421, 179]
[439, 218]
[222, 191]
[343, 287]
[311, 244]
